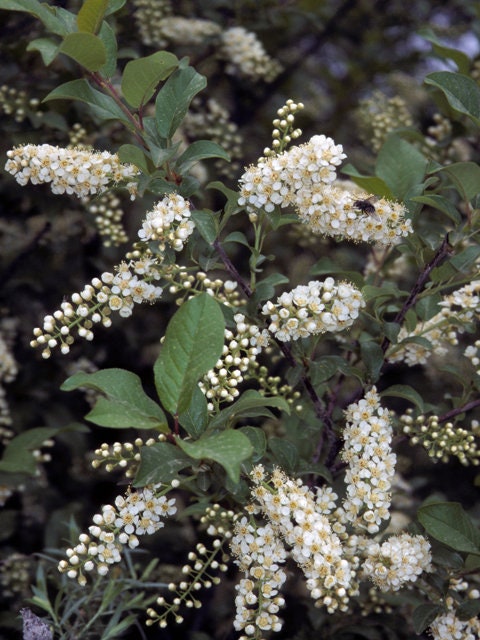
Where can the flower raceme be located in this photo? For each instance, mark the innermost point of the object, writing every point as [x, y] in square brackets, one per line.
[457, 309]
[135, 514]
[305, 177]
[134, 282]
[335, 546]
[314, 308]
[76, 171]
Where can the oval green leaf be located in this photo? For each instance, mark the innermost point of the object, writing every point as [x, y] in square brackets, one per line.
[86, 49]
[141, 77]
[228, 448]
[160, 462]
[174, 99]
[193, 343]
[448, 523]
[200, 150]
[124, 403]
[91, 14]
[461, 92]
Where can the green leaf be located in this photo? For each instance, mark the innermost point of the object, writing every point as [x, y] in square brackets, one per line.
[231, 206]
[401, 166]
[441, 204]
[114, 6]
[107, 36]
[258, 440]
[104, 106]
[250, 404]
[469, 609]
[461, 59]
[450, 524]
[45, 13]
[141, 76]
[228, 448]
[207, 224]
[18, 456]
[391, 331]
[323, 369]
[86, 49]
[124, 405]
[160, 462]
[461, 92]
[47, 48]
[465, 176]
[424, 615]
[174, 99]
[284, 452]
[407, 393]
[371, 184]
[200, 150]
[91, 14]
[372, 357]
[195, 419]
[327, 266]
[131, 154]
[466, 259]
[193, 343]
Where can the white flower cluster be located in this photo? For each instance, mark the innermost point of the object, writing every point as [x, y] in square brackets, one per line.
[185, 31]
[133, 283]
[321, 537]
[305, 177]
[371, 464]
[291, 509]
[168, 223]
[461, 306]
[111, 292]
[259, 554]
[314, 308]
[135, 514]
[72, 171]
[148, 16]
[240, 350]
[449, 627]
[397, 561]
[246, 56]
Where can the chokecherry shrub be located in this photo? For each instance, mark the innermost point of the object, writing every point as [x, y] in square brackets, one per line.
[286, 348]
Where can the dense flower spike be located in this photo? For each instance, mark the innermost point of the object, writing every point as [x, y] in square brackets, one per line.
[149, 16]
[371, 464]
[111, 292]
[168, 223]
[246, 56]
[305, 178]
[72, 171]
[398, 560]
[259, 553]
[316, 548]
[136, 513]
[317, 307]
[458, 308]
[185, 31]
